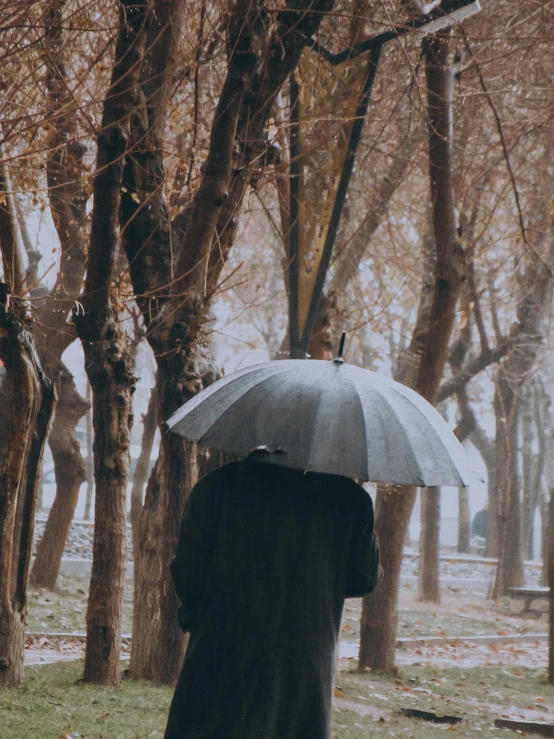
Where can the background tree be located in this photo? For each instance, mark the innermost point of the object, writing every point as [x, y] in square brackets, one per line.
[28, 400]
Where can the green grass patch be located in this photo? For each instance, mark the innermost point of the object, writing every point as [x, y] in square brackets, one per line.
[53, 703]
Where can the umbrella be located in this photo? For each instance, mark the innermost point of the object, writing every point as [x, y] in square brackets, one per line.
[326, 416]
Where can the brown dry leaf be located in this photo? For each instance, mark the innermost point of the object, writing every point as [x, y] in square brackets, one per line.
[339, 693]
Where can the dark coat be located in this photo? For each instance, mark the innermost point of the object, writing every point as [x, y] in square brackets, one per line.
[265, 558]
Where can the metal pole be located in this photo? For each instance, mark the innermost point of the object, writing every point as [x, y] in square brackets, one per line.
[342, 189]
[294, 237]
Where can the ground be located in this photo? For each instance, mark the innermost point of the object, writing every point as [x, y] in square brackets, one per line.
[475, 682]
[53, 703]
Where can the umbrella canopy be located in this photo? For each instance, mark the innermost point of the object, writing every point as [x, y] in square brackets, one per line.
[327, 416]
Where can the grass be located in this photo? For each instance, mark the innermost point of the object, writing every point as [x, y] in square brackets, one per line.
[53, 703]
[369, 704]
[65, 609]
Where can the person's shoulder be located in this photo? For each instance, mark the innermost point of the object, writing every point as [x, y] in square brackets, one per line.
[344, 486]
[215, 479]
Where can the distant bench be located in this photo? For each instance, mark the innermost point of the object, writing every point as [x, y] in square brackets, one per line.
[529, 595]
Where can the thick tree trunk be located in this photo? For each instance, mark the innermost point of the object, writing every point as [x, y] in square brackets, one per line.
[509, 572]
[378, 635]
[379, 610]
[31, 401]
[70, 472]
[440, 85]
[160, 654]
[107, 361]
[110, 372]
[28, 400]
[429, 583]
[259, 64]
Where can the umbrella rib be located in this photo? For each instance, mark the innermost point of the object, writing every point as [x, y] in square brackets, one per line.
[412, 454]
[437, 431]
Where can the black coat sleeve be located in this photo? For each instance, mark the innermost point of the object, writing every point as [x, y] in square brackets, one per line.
[364, 571]
[195, 545]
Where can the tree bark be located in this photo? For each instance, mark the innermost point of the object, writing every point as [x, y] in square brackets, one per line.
[509, 572]
[259, 66]
[107, 361]
[379, 616]
[89, 466]
[450, 265]
[64, 170]
[429, 583]
[69, 469]
[28, 400]
[149, 425]
[528, 462]
[32, 400]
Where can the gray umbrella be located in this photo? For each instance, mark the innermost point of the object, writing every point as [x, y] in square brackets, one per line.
[322, 416]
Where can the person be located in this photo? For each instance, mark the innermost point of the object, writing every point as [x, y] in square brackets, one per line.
[480, 521]
[266, 556]
[479, 528]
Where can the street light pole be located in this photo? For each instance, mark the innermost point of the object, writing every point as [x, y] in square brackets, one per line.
[301, 327]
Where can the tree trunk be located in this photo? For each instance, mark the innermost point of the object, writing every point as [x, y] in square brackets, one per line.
[31, 403]
[89, 465]
[379, 609]
[429, 583]
[551, 586]
[107, 361]
[110, 373]
[259, 65]
[440, 85]
[161, 652]
[547, 529]
[70, 472]
[464, 526]
[528, 497]
[28, 401]
[378, 632]
[509, 572]
[149, 421]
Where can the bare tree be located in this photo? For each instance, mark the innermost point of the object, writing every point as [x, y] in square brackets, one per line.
[394, 503]
[28, 400]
